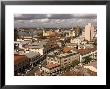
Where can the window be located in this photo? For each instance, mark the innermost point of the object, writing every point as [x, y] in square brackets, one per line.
[65, 60]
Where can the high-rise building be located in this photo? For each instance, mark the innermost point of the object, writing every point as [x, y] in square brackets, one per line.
[89, 32]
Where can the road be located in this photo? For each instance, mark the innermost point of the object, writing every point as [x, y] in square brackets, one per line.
[36, 68]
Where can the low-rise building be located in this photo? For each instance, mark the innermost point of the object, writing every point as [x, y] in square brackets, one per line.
[21, 62]
[19, 51]
[38, 47]
[51, 68]
[59, 43]
[91, 66]
[67, 58]
[77, 40]
[17, 44]
[35, 37]
[49, 33]
[71, 45]
[20, 44]
[27, 38]
[19, 39]
[86, 46]
[92, 52]
[34, 58]
[71, 33]
[63, 58]
[45, 33]
[84, 42]
[62, 38]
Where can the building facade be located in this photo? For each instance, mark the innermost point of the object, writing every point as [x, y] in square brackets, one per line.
[63, 59]
[91, 52]
[21, 62]
[51, 69]
[89, 32]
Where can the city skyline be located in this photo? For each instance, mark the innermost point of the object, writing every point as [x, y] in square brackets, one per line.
[63, 45]
[53, 20]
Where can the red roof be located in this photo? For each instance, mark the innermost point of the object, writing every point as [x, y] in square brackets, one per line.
[52, 65]
[86, 51]
[19, 58]
[52, 33]
[67, 49]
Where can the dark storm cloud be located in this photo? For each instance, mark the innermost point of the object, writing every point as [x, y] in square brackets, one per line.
[85, 16]
[53, 16]
[53, 20]
[61, 16]
[29, 16]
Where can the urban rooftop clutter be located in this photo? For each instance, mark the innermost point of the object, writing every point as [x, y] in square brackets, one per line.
[58, 46]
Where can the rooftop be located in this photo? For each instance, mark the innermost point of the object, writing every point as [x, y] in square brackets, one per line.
[19, 58]
[86, 51]
[64, 55]
[36, 47]
[66, 49]
[94, 64]
[38, 44]
[73, 44]
[52, 65]
[32, 54]
[25, 42]
[52, 33]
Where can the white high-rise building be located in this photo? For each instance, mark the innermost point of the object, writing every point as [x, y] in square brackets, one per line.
[89, 32]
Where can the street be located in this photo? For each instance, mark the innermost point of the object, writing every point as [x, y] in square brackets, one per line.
[35, 69]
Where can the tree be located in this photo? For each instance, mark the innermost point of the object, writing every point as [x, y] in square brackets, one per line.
[74, 63]
[87, 59]
[67, 67]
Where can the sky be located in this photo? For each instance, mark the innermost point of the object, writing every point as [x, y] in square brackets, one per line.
[53, 20]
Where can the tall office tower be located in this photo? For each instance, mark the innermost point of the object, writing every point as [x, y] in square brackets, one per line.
[89, 32]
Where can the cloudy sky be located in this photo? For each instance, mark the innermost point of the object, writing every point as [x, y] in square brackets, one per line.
[53, 20]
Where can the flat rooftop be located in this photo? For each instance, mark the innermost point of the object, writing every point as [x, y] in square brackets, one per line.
[86, 51]
[52, 65]
[67, 54]
[19, 58]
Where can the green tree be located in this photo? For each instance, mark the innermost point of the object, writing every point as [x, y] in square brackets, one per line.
[67, 67]
[87, 59]
[74, 63]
